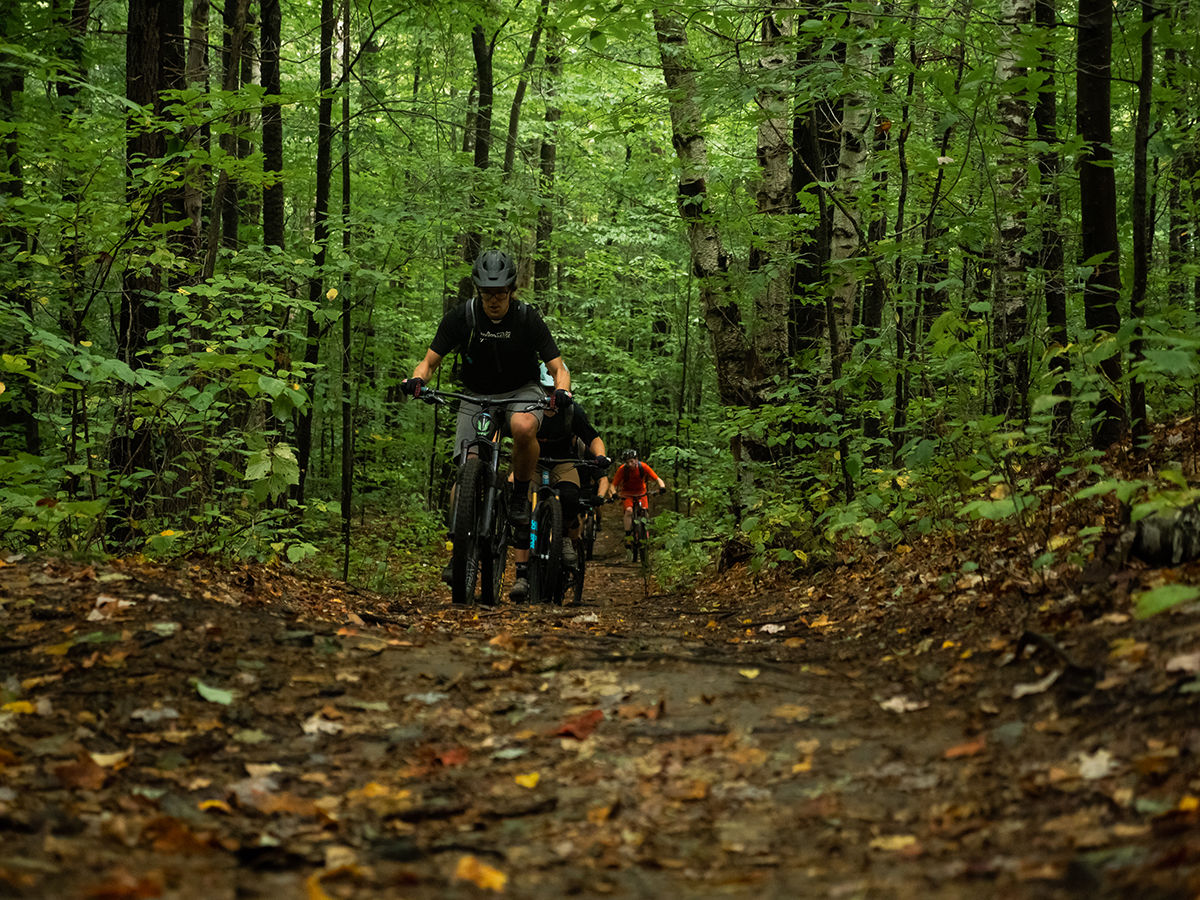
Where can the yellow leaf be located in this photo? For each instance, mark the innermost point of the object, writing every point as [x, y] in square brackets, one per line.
[1058, 541]
[85, 343]
[946, 645]
[480, 874]
[166, 532]
[527, 781]
[313, 887]
[109, 760]
[23, 707]
[821, 621]
[748, 673]
[331, 294]
[1000, 491]
[206, 805]
[894, 842]
[1188, 803]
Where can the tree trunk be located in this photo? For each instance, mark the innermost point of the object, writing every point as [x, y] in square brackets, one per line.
[347, 441]
[876, 290]
[1045, 116]
[1140, 217]
[543, 256]
[1010, 318]
[710, 264]
[18, 417]
[304, 430]
[228, 143]
[482, 50]
[1098, 209]
[154, 36]
[514, 114]
[852, 160]
[272, 126]
[769, 250]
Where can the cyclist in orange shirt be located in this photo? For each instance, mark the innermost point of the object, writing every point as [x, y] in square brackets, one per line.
[630, 483]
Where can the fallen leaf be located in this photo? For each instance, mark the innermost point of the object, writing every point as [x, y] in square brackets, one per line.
[791, 711]
[970, 748]
[901, 704]
[748, 673]
[527, 781]
[1035, 687]
[454, 756]
[112, 760]
[480, 874]
[1093, 766]
[1184, 662]
[84, 773]
[770, 628]
[894, 842]
[213, 694]
[581, 726]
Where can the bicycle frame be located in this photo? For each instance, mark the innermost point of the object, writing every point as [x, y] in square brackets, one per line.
[485, 446]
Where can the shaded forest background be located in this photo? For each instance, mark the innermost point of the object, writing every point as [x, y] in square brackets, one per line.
[868, 269]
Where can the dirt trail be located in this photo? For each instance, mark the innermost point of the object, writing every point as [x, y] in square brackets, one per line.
[195, 734]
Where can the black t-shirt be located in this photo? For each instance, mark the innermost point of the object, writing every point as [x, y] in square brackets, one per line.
[558, 432]
[497, 357]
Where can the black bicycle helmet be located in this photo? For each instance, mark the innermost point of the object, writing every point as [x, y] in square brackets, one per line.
[494, 269]
[629, 455]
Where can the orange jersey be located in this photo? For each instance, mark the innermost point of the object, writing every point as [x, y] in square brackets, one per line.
[630, 478]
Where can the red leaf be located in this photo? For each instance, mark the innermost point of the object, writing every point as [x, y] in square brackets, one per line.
[455, 756]
[581, 726]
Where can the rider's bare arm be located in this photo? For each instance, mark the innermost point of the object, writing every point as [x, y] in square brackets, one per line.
[559, 372]
[426, 367]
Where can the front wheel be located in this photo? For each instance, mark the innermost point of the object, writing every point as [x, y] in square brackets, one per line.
[545, 557]
[580, 567]
[495, 553]
[642, 541]
[470, 491]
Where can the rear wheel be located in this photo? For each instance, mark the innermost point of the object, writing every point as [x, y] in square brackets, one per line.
[468, 544]
[545, 558]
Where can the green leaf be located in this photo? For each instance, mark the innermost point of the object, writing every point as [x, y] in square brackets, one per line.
[1151, 602]
[212, 694]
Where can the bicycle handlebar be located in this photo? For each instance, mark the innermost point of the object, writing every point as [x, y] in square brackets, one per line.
[553, 461]
[441, 398]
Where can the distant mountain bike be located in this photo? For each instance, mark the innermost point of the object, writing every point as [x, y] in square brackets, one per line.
[591, 524]
[640, 546]
[479, 525]
[550, 580]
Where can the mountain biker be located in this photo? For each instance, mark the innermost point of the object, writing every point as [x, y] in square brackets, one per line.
[629, 482]
[561, 434]
[501, 340]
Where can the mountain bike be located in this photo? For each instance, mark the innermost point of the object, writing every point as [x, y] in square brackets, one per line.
[640, 545]
[591, 524]
[479, 525]
[550, 581]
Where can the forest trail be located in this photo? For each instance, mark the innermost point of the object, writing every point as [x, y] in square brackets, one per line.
[187, 733]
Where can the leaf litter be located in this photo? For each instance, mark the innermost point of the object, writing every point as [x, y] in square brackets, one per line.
[624, 749]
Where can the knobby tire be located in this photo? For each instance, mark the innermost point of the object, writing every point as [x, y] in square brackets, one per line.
[580, 568]
[495, 557]
[469, 544]
[545, 558]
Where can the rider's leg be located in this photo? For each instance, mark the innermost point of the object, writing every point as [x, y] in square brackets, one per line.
[523, 427]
